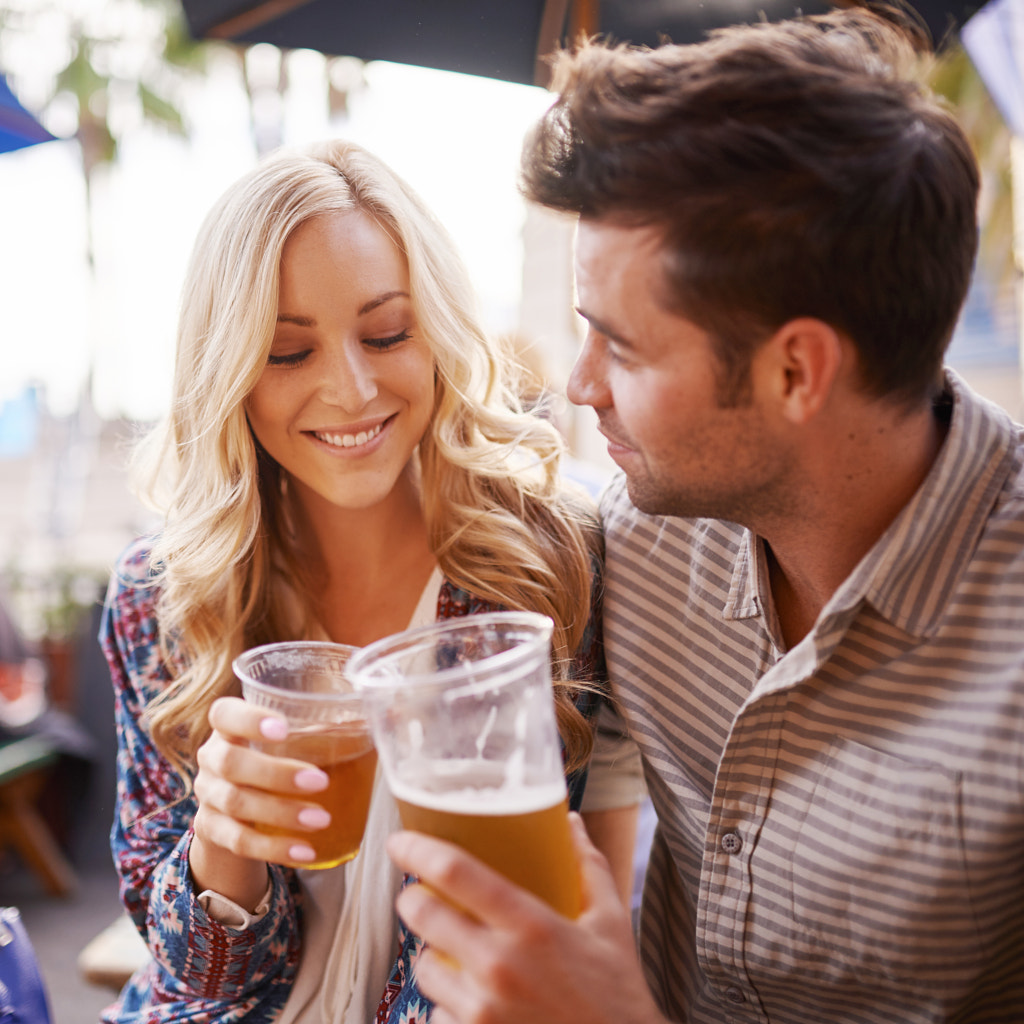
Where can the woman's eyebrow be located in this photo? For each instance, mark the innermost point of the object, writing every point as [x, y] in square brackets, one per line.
[381, 299]
[308, 321]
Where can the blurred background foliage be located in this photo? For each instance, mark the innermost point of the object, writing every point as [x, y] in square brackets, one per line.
[955, 77]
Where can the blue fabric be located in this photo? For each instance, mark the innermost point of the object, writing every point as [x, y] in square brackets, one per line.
[22, 994]
[18, 128]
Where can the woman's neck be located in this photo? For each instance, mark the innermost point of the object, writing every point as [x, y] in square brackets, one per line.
[368, 567]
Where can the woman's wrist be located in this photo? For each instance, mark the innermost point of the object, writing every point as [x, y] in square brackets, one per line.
[239, 879]
[229, 913]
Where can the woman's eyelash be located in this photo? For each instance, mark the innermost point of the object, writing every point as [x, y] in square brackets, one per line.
[378, 344]
[291, 359]
[384, 343]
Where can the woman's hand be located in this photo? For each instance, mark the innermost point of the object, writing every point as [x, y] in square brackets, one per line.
[238, 788]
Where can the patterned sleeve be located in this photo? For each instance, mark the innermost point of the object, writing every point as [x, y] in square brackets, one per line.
[588, 667]
[588, 663]
[213, 968]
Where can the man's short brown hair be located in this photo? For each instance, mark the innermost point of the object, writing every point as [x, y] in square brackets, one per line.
[796, 169]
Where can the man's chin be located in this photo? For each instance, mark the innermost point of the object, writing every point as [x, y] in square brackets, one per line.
[645, 497]
[652, 500]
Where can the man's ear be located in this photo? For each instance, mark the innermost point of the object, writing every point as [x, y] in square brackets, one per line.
[801, 362]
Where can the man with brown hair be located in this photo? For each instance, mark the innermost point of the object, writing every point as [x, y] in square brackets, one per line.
[814, 615]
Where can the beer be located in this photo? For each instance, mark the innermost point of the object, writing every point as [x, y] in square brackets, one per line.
[521, 832]
[345, 752]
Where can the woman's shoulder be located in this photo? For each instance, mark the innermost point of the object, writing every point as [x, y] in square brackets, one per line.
[454, 601]
[133, 591]
[129, 632]
[134, 566]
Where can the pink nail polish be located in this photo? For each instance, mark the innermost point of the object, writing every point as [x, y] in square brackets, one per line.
[301, 852]
[273, 729]
[311, 780]
[314, 817]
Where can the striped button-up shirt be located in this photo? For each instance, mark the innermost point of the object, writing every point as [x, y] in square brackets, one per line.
[841, 825]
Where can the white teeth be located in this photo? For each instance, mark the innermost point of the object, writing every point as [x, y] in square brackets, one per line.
[350, 440]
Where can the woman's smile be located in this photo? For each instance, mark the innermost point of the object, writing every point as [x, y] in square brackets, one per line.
[350, 439]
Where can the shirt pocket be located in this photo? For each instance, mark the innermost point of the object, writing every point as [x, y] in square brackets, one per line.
[879, 874]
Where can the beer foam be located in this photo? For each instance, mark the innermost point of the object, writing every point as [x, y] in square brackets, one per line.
[481, 800]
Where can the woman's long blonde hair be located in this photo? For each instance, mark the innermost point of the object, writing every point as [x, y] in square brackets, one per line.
[500, 525]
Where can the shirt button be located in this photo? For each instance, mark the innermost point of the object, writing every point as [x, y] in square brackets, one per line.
[731, 842]
[735, 995]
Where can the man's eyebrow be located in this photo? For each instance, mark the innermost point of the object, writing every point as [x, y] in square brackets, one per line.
[603, 328]
[308, 321]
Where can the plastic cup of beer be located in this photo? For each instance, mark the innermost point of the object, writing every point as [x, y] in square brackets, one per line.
[463, 719]
[305, 681]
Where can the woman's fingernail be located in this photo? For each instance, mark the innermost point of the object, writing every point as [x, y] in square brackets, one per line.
[314, 817]
[301, 852]
[311, 780]
[274, 729]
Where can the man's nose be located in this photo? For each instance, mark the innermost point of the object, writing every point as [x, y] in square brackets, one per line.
[588, 383]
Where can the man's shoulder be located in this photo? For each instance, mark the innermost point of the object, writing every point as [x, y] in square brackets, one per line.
[1001, 541]
[1013, 492]
[990, 458]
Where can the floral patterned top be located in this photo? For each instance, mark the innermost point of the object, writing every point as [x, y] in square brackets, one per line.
[203, 971]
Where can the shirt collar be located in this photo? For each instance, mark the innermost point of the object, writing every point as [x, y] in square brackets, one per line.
[909, 572]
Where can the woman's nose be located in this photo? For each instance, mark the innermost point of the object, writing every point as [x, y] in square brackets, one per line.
[349, 381]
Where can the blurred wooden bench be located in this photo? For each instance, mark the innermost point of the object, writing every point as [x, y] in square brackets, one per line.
[24, 764]
[114, 955]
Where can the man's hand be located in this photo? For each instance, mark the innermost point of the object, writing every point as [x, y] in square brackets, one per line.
[498, 955]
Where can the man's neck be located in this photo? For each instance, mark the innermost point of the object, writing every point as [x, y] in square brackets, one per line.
[859, 481]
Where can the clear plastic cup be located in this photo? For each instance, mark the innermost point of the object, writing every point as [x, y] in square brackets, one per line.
[464, 723]
[305, 681]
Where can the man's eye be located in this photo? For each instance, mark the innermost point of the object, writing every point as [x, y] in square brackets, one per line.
[381, 344]
[290, 359]
[614, 351]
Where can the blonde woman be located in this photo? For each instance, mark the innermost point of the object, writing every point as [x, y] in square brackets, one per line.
[344, 458]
